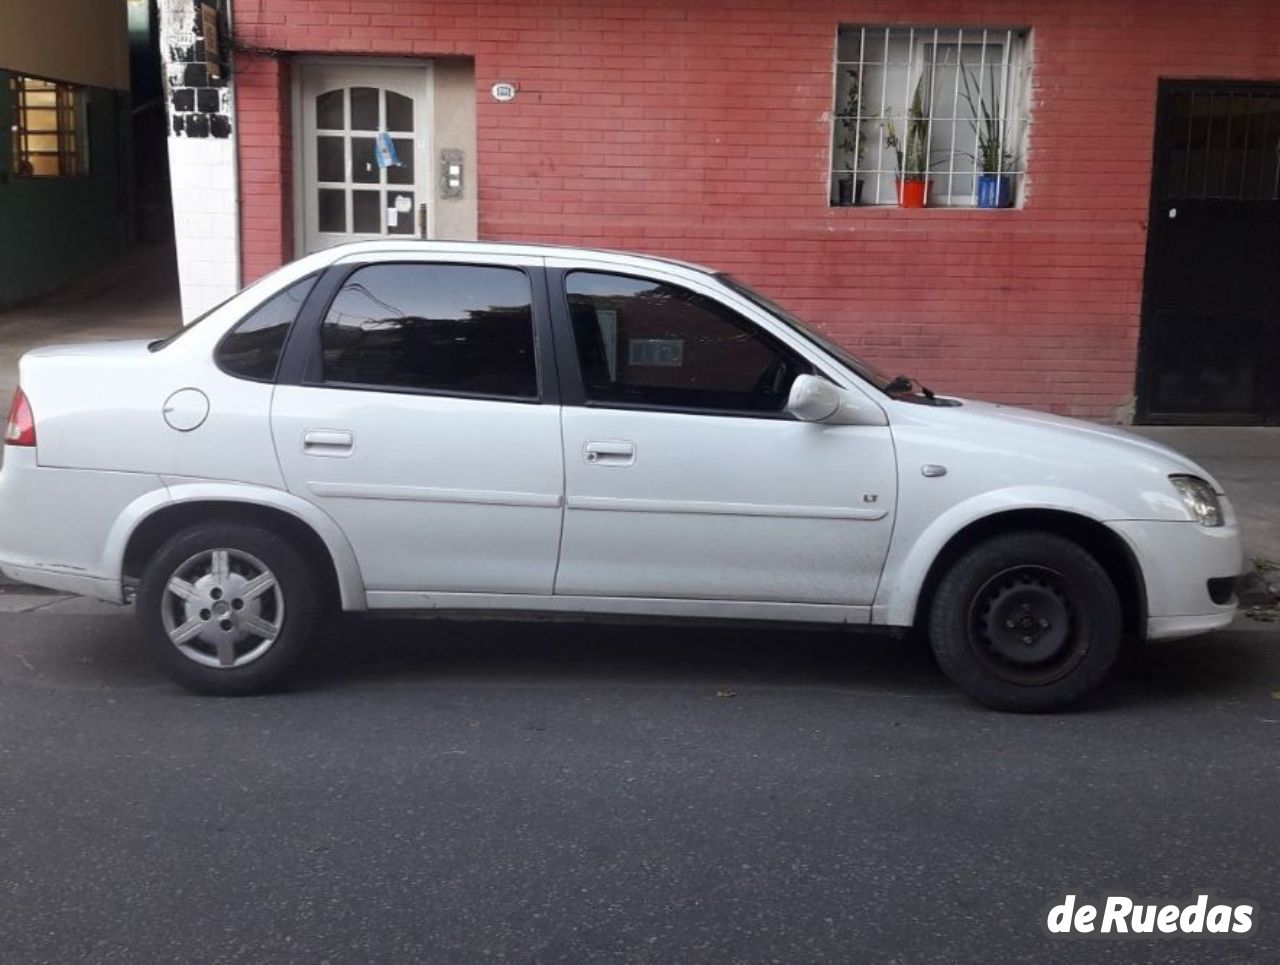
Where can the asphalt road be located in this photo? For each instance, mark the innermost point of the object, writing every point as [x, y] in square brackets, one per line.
[488, 792]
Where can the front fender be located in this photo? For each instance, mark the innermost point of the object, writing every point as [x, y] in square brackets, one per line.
[184, 491]
[915, 548]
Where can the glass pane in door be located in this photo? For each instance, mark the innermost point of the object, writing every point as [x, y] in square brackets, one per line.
[329, 166]
[333, 210]
[364, 108]
[399, 112]
[366, 212]
[364, 162]
[331, 114]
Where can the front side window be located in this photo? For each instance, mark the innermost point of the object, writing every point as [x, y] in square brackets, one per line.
[929, 116]
[445, 329]
[252, 349]
[48, 129]
[646, 343]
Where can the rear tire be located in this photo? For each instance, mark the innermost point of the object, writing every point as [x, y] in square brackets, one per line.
[1026, 621]
[227, 608]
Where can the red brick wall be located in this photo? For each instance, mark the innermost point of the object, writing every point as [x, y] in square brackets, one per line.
[700, 130]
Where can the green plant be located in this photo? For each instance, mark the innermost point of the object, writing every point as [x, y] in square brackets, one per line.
[911, 148]
[993, 154]
[849, 117]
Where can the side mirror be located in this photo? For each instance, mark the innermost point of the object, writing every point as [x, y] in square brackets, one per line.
[814, 399]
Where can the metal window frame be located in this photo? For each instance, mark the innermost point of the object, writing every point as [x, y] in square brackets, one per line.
[70, 117]
[956, 159]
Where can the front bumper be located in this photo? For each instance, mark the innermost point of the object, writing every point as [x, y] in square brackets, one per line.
[1178, 561]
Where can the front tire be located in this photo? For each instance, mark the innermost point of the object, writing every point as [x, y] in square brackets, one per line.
[1026, 621]
[227, 608]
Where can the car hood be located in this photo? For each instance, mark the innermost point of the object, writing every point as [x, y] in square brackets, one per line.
[1111, 439]
[998, 447]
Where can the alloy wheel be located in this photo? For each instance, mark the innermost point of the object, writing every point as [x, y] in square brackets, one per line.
[223, 608]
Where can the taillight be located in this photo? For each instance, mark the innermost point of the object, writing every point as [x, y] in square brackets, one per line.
[21, 428]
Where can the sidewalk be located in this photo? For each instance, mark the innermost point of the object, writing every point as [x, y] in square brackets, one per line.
[137, 296]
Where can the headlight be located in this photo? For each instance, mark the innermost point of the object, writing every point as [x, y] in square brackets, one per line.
[1199, 498]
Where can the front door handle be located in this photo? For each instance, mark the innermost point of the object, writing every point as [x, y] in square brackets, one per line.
[328, 442]
[609, 453]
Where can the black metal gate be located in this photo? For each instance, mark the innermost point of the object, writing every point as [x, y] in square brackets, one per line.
[1210, 344]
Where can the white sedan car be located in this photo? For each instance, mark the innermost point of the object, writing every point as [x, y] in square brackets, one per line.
[444, 427]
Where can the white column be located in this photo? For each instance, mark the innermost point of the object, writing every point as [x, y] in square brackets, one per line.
[202, 165]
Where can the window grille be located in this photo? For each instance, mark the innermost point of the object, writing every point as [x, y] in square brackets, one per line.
[929, 115]
[48, 129]
[1224, 146]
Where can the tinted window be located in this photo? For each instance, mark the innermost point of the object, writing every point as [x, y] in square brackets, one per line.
[649, 343]
[458, 329]
[252, 349]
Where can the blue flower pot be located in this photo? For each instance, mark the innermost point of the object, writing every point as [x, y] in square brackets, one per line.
[995, 190]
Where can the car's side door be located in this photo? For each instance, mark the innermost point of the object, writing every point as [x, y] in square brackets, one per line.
[416, 409]
[685, 478]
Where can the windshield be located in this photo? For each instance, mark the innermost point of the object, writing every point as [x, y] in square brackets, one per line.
[865, 369]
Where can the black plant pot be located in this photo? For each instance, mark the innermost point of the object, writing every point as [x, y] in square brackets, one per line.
[848, 192]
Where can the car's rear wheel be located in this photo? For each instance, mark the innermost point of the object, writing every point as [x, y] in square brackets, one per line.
[1026, 621]
[227, 608]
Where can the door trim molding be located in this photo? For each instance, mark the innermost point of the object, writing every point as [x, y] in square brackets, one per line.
[432, 494]
[709, 508]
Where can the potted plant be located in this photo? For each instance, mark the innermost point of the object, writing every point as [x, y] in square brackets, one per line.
[851, 143]
[994, 160]
[911, 148]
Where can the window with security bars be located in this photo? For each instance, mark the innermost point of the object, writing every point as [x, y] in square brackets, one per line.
[1224, 146]
[48, 129]
[929, 116]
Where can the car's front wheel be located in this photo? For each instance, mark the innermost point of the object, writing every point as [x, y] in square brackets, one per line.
[227, 608]
[1026, 621]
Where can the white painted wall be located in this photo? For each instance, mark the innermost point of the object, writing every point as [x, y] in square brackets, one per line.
[202, 177]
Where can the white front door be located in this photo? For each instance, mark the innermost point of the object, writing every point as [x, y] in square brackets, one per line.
[683, 476]
[363, 153]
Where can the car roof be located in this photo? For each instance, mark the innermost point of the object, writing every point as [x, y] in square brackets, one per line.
[525, 249]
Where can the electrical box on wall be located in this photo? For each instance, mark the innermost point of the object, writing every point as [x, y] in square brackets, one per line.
[451, 174]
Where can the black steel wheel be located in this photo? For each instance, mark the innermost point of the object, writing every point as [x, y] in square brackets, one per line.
[1026, 621]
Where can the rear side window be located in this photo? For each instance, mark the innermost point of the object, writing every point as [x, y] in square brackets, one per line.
[252, 349]
[444, 329]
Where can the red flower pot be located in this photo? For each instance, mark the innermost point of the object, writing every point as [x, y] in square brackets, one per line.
[913, 193]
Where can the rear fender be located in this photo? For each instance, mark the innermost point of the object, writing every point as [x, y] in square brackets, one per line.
[180, 492]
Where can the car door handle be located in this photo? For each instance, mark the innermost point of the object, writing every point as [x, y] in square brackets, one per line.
[328, 442]
[610, 453]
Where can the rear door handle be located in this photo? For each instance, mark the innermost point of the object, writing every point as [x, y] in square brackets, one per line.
[610, 453]
[328, 442]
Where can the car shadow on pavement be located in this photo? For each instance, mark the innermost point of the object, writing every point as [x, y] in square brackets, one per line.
[368, 650]
[79, 652]
[363, 651]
